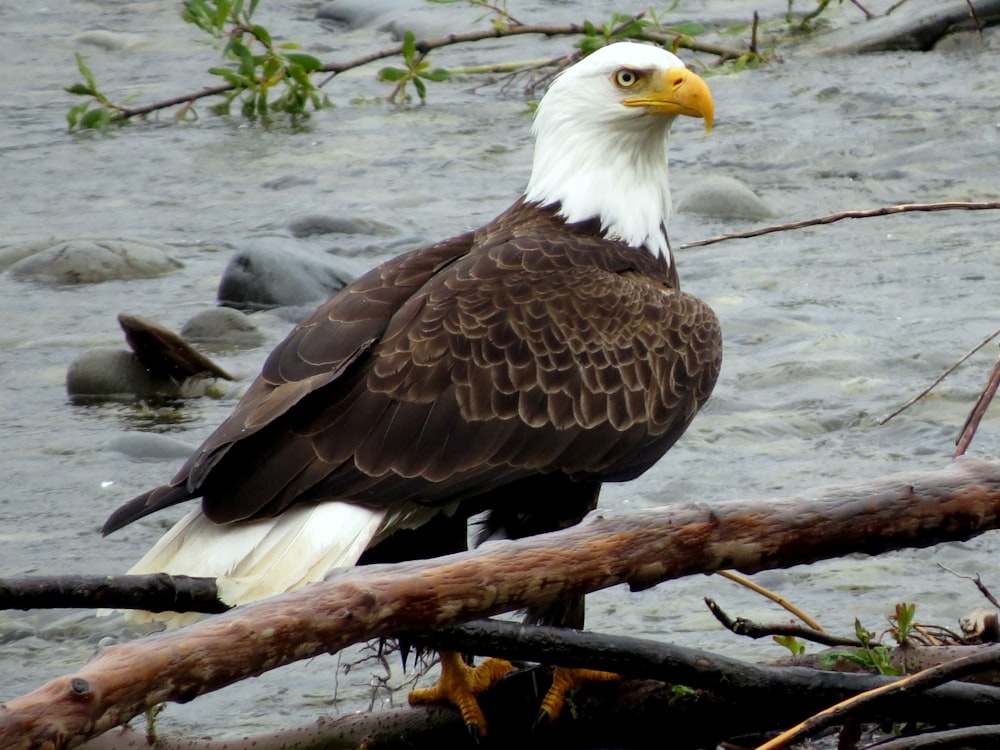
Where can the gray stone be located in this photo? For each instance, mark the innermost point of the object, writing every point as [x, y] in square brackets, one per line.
[115, 373]
[91, 261]
[223, 326]
[263, 278]
[723, 198]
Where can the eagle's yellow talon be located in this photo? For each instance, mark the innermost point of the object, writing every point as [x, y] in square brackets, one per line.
[460, 684]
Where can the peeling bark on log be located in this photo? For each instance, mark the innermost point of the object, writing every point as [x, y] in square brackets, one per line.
[640, 548]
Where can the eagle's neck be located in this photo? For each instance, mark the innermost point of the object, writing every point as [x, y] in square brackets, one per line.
[613, 172]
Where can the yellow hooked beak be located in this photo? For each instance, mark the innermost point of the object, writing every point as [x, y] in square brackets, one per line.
[676, 91]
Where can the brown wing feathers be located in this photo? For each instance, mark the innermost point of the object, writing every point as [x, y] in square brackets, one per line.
[529, 348]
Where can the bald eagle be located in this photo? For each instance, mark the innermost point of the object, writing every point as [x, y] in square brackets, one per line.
[507, 372]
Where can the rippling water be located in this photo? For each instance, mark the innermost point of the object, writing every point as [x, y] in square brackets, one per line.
[827, 329]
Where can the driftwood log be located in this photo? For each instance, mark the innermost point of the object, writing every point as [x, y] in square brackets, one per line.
[640, 548]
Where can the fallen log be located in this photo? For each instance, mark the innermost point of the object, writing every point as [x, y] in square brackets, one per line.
[640, 548]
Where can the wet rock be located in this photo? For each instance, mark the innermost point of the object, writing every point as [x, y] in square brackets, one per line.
[223, 326]
[107, 373]
[147, 445]
[306, 226]
[91, 261]
[723, 198]
[263, 278]
[116, 373]
[287, 181]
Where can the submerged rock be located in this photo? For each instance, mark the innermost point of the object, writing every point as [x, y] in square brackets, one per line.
[149, 445]
[306, 226]
[90, 261]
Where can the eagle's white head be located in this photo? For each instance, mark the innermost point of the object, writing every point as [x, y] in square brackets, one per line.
[601, 140]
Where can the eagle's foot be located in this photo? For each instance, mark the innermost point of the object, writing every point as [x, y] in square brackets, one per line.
[460, 684]
[563, 681]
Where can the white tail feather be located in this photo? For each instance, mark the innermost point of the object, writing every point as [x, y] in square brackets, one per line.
[252, 560]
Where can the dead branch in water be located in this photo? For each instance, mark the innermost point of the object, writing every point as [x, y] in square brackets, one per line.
[640, 548]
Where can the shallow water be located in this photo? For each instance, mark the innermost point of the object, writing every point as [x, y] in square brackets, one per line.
[827, 329]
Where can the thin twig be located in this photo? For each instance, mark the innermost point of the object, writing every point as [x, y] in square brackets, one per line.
[751, 629]
[976, 580]
[746, 582]
[975, 16]
[978, 410]
[937, 675]
[941, 377]
[868, 14]
[862, 214]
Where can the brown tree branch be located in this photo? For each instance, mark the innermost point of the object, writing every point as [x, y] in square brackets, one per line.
[978, 411]
[641, 548]
[841, 215]
[733, 697]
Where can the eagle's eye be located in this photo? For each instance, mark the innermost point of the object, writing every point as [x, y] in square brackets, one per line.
[626, 78]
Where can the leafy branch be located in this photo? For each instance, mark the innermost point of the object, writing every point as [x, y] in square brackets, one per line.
[417, 70]
[258, 68]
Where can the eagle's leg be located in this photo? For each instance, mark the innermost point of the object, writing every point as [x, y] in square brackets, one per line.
[567, 503]
[460, 684]
[563, 681]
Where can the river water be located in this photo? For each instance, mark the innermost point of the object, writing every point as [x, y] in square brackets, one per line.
[827, 329]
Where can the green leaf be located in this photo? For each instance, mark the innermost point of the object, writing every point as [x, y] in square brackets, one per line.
[307, 62]
[97, 119]
[421, 88]
[73, 113]
[409, 47]
[392, 74]
[79, 89]
[85, 71]
[437, 75]
[261, 33]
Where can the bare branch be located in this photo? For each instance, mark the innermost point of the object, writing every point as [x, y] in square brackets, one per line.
[862, 214]
[942, 376]
[978, 410]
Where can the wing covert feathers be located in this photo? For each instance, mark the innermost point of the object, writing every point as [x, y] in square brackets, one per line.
[527, 347]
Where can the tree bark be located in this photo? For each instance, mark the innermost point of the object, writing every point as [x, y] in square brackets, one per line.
[640, 548]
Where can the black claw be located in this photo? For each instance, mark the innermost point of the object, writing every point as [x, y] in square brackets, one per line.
[541, 720]
[474, 732]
